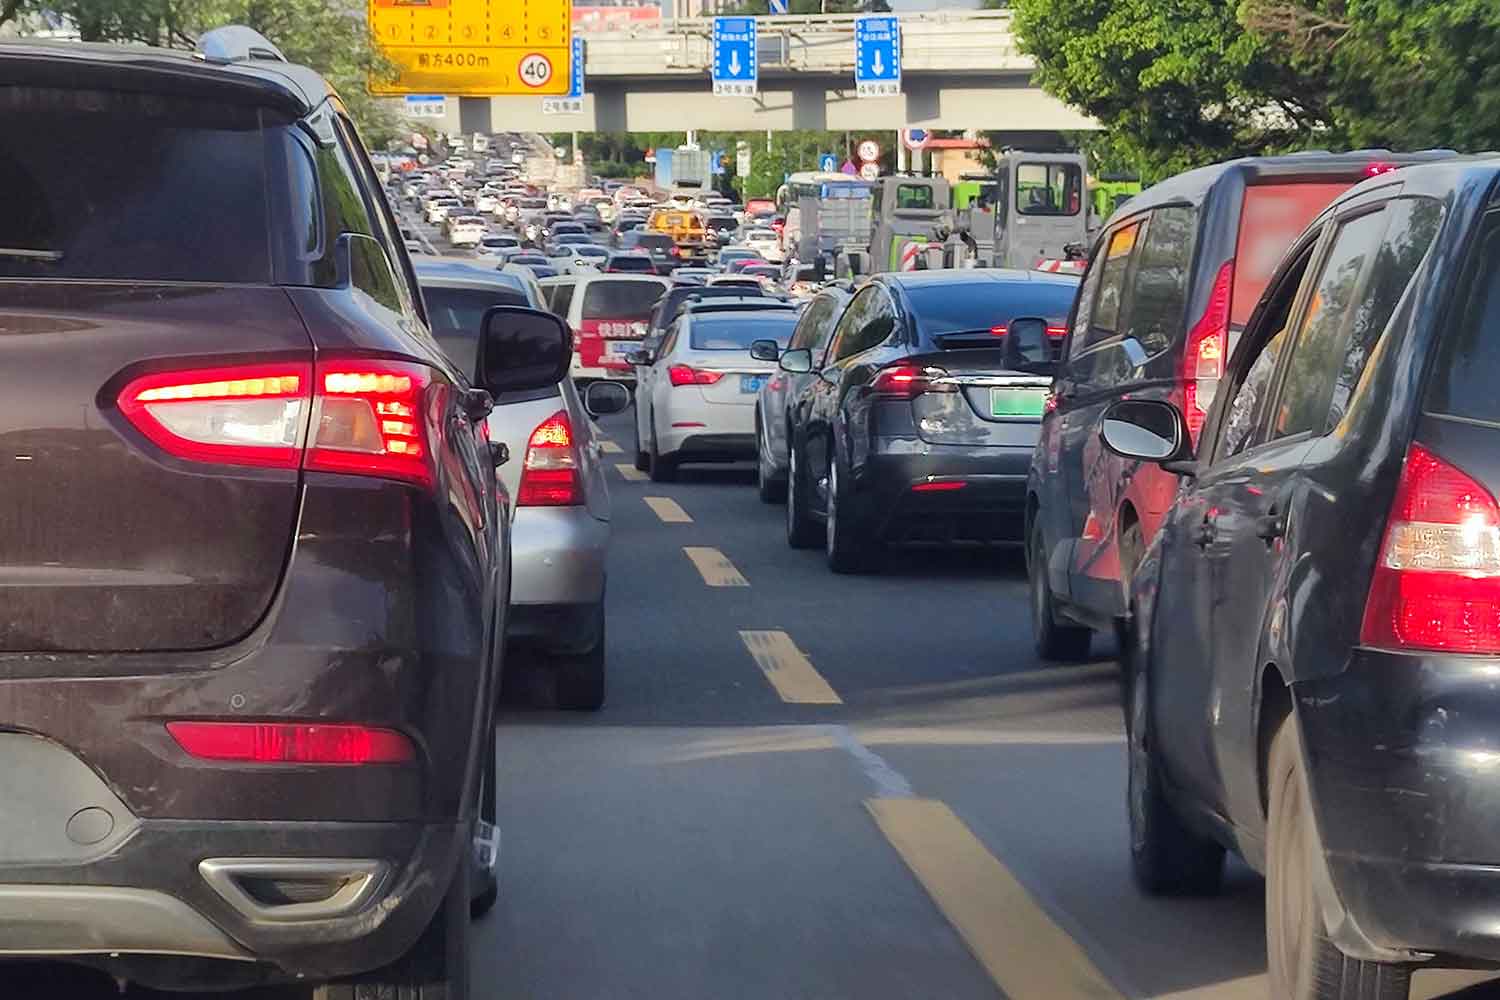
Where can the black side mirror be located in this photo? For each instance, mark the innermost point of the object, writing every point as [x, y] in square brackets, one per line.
[798, 362]
[522, 349]
[639, 357]
[764, 350]
[603, 398]
[1026, 346]
[1148, 430]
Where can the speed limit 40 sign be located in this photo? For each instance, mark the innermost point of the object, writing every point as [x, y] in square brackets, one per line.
[473, 48]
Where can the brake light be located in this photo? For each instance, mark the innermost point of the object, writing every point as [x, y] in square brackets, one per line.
[549, 475]
[1437, 582]
[681, 375]
[675, 251]
[248, 415]
[369, 420]
[1203, 358]
[940, 486]
[1055, 332]
[292, 743]
[908, 381]
[1377, 168]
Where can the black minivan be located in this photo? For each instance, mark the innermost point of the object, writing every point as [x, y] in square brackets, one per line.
[1312, 650]
[1170, 284]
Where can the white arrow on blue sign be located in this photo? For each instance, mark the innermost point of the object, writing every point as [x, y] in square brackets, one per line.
[736, 73]
[778, 6]
[828, 163]
[573, 103]
[877, 56]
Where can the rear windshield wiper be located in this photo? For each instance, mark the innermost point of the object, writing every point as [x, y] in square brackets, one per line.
[49, 256]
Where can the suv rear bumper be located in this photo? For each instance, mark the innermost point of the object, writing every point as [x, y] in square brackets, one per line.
[990, 506]
[557, 563]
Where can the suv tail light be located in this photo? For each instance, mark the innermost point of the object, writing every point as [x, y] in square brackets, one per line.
[681, 375]
[1437, 581]
[1203, 358]
[292, 743]
[549, 475]
[907, 381]
[368, 417]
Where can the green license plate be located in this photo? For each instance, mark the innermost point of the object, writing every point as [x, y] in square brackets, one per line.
[1017, 402]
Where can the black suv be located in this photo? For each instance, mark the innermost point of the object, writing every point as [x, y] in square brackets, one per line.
[253, 565]
[1314, 634]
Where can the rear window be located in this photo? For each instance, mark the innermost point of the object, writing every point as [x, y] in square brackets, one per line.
[979, 306]
[454, 315]
[649, 242]
[99, 184]
[620, 299]
[642, 264]
[734, 333]
[1272, 216]
[915, 196]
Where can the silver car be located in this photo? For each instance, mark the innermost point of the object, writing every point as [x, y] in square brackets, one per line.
[784, 390]
[554, 479]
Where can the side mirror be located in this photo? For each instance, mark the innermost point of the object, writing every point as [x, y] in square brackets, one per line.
[639, 357]
[798, 362]
[764, 350]
[603, 398]
[1146, 430]
[521, 349]
[1026, 345]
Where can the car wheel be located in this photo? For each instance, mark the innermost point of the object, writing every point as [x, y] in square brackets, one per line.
[850, 548]
[767, 486]
[1302, 964]
[436, 967]
[663, 470]
[1053, 641]
[1166, 858]
[642, 460]
[801, 530]
[580, 676]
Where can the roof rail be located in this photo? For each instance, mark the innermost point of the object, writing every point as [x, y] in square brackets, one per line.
[237, 43]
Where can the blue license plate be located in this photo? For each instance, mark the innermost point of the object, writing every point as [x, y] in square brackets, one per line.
[751, 383]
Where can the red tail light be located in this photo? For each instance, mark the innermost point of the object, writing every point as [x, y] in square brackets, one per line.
[1377, 168]
[1055, 332]
[907, 381]
[292, 743]
[549, 475]
[1437, 582]
[940, 486]
[1203, 358]
[370, 420]
[675, 251]
[681, 375]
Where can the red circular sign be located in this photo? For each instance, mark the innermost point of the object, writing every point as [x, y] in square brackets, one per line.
[534, 69]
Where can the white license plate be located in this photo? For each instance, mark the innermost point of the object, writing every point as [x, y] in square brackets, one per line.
[619, 348]
[751, 383]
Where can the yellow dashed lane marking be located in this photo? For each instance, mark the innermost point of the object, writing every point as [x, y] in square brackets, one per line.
[669, 510]
[788, 669]
[631, 473]
[609, 447]
[1027, 955]
[715, 567]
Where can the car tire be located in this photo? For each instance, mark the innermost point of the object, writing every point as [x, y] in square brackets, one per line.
[801, 529]
[767, 486]
[580, 676]
[1302, 963]
[436, 967]
[663, 469]
[1054, 641]
[642, 460]
[1166, 858]
[850, 547]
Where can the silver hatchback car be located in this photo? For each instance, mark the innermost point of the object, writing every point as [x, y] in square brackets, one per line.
[554, 481]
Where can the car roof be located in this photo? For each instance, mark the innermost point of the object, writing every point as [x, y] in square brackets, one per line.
[295, 89]
[461, 272]
[746, 304]
[968, 277]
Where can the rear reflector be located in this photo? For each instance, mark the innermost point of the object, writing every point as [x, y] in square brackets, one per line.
[549, 475]
[1436, 584]
[943, 486]
[292, 743]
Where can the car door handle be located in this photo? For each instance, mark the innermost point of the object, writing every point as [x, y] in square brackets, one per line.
[1270, 526]
[1205, 533]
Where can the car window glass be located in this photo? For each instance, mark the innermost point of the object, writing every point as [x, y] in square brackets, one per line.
[455, 315]
[1159, 287]
[736, 333]
[915, 196]
[1083, 310]
[825, 330]
[851, 321]
[1319, 349]
[1464, 379]
[1048, 188]
[382, 229]
[1411, 227]
[878, 319]
[563, 298]
[1105, 317]
[808, 325]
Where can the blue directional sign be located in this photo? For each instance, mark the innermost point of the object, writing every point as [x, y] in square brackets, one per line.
[572, 104]
[877, 56]
[828, 163]
[736, 73]
[778, 6]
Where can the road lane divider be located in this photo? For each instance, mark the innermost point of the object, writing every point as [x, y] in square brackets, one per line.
[1028, 956]
[669, 510]
[788, 669]
[715, 567]
[630, 473]
[609, 447]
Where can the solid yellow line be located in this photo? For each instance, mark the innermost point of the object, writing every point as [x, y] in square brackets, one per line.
[669, 510]
[1027, 955]
[631, 473]
[790, 672]
[609, 447]
[715, 567]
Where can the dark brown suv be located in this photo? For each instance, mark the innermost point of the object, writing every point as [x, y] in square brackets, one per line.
[250, 549]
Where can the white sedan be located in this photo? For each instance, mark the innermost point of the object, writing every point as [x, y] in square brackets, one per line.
[467, 231]
[696, 398]
[764, 242]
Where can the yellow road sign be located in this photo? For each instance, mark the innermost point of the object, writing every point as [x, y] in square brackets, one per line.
[474, 48]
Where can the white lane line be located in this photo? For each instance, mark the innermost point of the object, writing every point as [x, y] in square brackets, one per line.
[669, 510]
[788, 669]
[715, 567]
[630, 473]
[609, 447]
[889, 783]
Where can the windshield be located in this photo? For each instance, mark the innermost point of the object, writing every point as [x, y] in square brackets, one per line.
[1049, 189]
[735, 331]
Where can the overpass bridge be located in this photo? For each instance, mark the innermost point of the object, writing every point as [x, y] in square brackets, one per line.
[960, 70]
